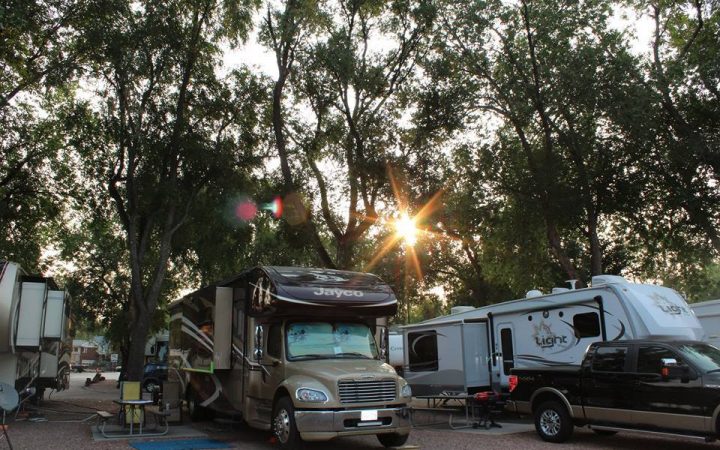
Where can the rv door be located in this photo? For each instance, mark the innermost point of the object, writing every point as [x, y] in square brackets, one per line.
[507, 353]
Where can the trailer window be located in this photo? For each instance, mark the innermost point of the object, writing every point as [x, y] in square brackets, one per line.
[423, 354]
[586, 325]
[609, 359]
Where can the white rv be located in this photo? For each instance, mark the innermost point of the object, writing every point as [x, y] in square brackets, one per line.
[708, 313]
[35, 347]
[298, 351]
[541, 330]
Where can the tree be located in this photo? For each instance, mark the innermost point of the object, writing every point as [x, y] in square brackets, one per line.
[171, 128]
[37, 58]
[351, 89]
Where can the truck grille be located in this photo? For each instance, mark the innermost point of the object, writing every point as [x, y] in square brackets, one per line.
[362, 391]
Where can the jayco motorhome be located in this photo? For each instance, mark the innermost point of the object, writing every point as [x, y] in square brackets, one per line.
[293, 350]
[541, 330]
[35, 345]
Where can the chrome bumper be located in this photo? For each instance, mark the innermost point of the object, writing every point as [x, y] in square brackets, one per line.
[324, 425]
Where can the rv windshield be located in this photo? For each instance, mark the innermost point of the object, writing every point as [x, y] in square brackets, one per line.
[706, 357]
[327, 340]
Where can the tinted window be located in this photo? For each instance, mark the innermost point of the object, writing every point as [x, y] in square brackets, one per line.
[423, 354]
[507, 350]
[650, 359]
[586, 325]
[609, 359]
[274, 342]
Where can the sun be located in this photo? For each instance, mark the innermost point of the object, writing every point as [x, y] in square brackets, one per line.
[405, 229]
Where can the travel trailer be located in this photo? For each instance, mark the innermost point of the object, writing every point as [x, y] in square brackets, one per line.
[296, 350]
[35, 345]
[540, 330]
[708, 314]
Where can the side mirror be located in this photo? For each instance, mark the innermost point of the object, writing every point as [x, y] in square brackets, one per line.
[258, 353]
[383, 343]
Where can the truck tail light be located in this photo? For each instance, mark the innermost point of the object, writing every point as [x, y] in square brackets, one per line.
[512, 382]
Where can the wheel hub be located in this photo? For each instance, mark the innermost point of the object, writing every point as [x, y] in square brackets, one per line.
[282, 426]
[550, 422]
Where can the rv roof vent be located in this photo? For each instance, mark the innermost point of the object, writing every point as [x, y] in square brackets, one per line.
[533, 293]
[461, 309]
[557, 290]
[599, 280]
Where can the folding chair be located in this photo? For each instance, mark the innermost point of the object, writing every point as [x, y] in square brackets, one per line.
[8, 401]
[130, 390]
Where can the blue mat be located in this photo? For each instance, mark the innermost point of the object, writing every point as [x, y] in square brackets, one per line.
[186, 444]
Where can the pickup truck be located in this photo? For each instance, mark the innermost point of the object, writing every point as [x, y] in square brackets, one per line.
[635, 385]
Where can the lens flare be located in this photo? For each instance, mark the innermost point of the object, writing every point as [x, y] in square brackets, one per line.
[405, 229]
[275, 207]
[246, 210]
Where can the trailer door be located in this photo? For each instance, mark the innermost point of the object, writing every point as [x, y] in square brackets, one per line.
[475, 350]
[507, 351]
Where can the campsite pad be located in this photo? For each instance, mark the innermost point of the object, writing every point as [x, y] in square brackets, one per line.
[186, 444]
[175, 431]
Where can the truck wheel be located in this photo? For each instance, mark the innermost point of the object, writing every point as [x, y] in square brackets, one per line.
[552, 422]
[284, 427]
[392, 439]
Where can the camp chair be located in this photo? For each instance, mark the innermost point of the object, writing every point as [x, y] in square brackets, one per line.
[130, 390]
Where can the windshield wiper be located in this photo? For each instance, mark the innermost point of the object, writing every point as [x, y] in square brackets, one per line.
[356, 354]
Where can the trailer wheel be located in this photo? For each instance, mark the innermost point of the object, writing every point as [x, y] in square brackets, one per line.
[284, 427]
[553, 422]
[392, 439]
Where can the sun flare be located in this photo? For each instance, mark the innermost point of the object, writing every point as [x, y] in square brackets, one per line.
[405, 229]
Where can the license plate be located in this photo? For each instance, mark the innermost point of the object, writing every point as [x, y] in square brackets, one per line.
[368, 415]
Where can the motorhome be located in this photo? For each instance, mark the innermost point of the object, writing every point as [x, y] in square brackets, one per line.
[708, 313]
[539, 330]
[298, 351]
[35, 345]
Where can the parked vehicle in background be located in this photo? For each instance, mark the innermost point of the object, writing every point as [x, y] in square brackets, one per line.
[292, 350]
[153, 375]
[670, 387]
[541, 330]
[708, 313]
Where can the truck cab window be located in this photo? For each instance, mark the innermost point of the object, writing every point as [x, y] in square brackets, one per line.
[423, 354]
[650, 359]
[586, 325]
[609, 359]
[274, 341]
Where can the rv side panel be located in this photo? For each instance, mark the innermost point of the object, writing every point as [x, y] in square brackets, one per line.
[475, 350]
[54, 315]
[30, 314]
[223, 327]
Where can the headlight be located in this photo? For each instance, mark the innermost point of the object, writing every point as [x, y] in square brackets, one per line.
[406, 391]
[310, 395]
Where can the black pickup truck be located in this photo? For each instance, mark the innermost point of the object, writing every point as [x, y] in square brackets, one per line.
[651, 386]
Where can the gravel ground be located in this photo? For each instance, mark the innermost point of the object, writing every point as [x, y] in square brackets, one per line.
[66, 426]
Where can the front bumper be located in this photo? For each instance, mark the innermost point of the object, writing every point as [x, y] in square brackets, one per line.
[325, 425]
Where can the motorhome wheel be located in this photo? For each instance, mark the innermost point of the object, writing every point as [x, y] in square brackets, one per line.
[392, 439]
[284, 427]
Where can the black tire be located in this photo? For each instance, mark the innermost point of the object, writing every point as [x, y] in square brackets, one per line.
[150, 385]
[392, 439]
[284, 427]
[195, 411]
[605, 432]
[553, 422]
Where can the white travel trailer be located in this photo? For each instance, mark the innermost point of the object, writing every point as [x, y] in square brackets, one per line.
[708, 313]
[549, 330]
[35, 346]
